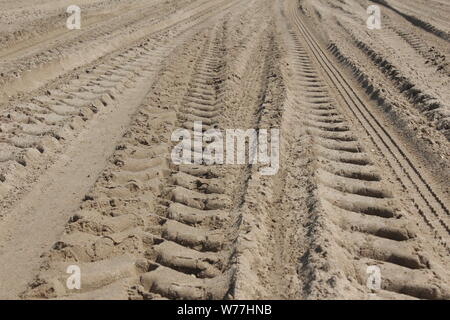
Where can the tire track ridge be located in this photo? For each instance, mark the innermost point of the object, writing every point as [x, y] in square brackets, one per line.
[341, 193]
[432, 202]
[196, 202]
[424, 102]
[34, 130]
[417, 22]
[64, 62]
[113, 234]
[136, 224]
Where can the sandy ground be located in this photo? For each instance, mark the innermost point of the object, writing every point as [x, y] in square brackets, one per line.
[87, 179]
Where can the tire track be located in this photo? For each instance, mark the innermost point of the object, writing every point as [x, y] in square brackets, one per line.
[46, 215]
[425, 101]
[100, 235]
[32, 132]
[88, 32]
[150, 229]
[40, 205]
[431, 206]
[26, 28]
[50, 64]
[351, 187]
[417, 22]
[432, 55]
[196, 208]
[38, 128]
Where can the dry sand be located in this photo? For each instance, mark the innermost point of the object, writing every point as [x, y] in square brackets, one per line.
[86, 176]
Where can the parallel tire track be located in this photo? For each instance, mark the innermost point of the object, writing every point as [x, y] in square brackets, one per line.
[173, 217]
[151, 229]
[49, 64]
[429, 204]
[417, 22]
[422, 100]
[351, 187]
[34, 130]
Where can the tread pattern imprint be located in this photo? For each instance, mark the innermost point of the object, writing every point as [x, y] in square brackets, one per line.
[359, 221]
[150, 229]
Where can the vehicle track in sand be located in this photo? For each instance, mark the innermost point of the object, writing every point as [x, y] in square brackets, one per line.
[348, 182]
[425, 25]
[437, 212]
[188, 213]
[30, 68]
[123, 81]
[34, 129]
[420, 73]
[401, 67]
[87, 176]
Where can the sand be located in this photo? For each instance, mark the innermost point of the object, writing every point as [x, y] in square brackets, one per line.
[87, 178]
